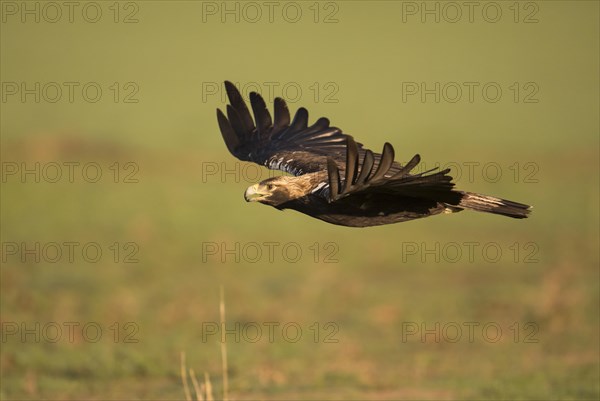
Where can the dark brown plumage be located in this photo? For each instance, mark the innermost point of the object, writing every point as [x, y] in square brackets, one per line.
[334, 178]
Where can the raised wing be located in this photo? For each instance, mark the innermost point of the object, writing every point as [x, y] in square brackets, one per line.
[384, 178]
[293, 147]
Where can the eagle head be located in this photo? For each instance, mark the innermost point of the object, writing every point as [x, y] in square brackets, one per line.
[275, 191]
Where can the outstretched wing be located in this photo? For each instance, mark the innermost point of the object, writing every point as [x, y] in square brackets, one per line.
[293, 147]
[383, 178]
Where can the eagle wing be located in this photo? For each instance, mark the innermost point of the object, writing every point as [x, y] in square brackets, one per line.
[293, 147]
[370, 178]
[297, 148]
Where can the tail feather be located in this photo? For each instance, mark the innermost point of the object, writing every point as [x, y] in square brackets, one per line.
[491, 204]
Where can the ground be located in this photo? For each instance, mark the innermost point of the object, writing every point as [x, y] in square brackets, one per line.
[461, 306]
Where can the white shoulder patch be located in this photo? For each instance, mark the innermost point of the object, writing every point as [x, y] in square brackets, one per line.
[319, 187]
[279, 164]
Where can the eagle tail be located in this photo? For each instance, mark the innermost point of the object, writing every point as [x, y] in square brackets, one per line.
[491, 204]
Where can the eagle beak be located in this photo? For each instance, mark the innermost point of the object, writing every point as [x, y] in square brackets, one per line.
[252, 194]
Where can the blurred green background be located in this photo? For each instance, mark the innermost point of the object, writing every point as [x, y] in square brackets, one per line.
[158, 65]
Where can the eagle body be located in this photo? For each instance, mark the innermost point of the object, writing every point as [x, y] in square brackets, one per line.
[366, 212]
[335, 179]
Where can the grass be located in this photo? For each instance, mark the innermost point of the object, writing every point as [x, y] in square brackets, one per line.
[368, 294]
[372, 291]
[204, 391]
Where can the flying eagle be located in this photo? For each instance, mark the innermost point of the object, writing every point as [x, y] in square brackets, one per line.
[335, 179]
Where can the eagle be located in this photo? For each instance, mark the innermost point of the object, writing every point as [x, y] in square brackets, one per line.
[334, 178]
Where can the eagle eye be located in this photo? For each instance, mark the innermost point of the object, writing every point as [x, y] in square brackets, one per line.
[270, 186]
